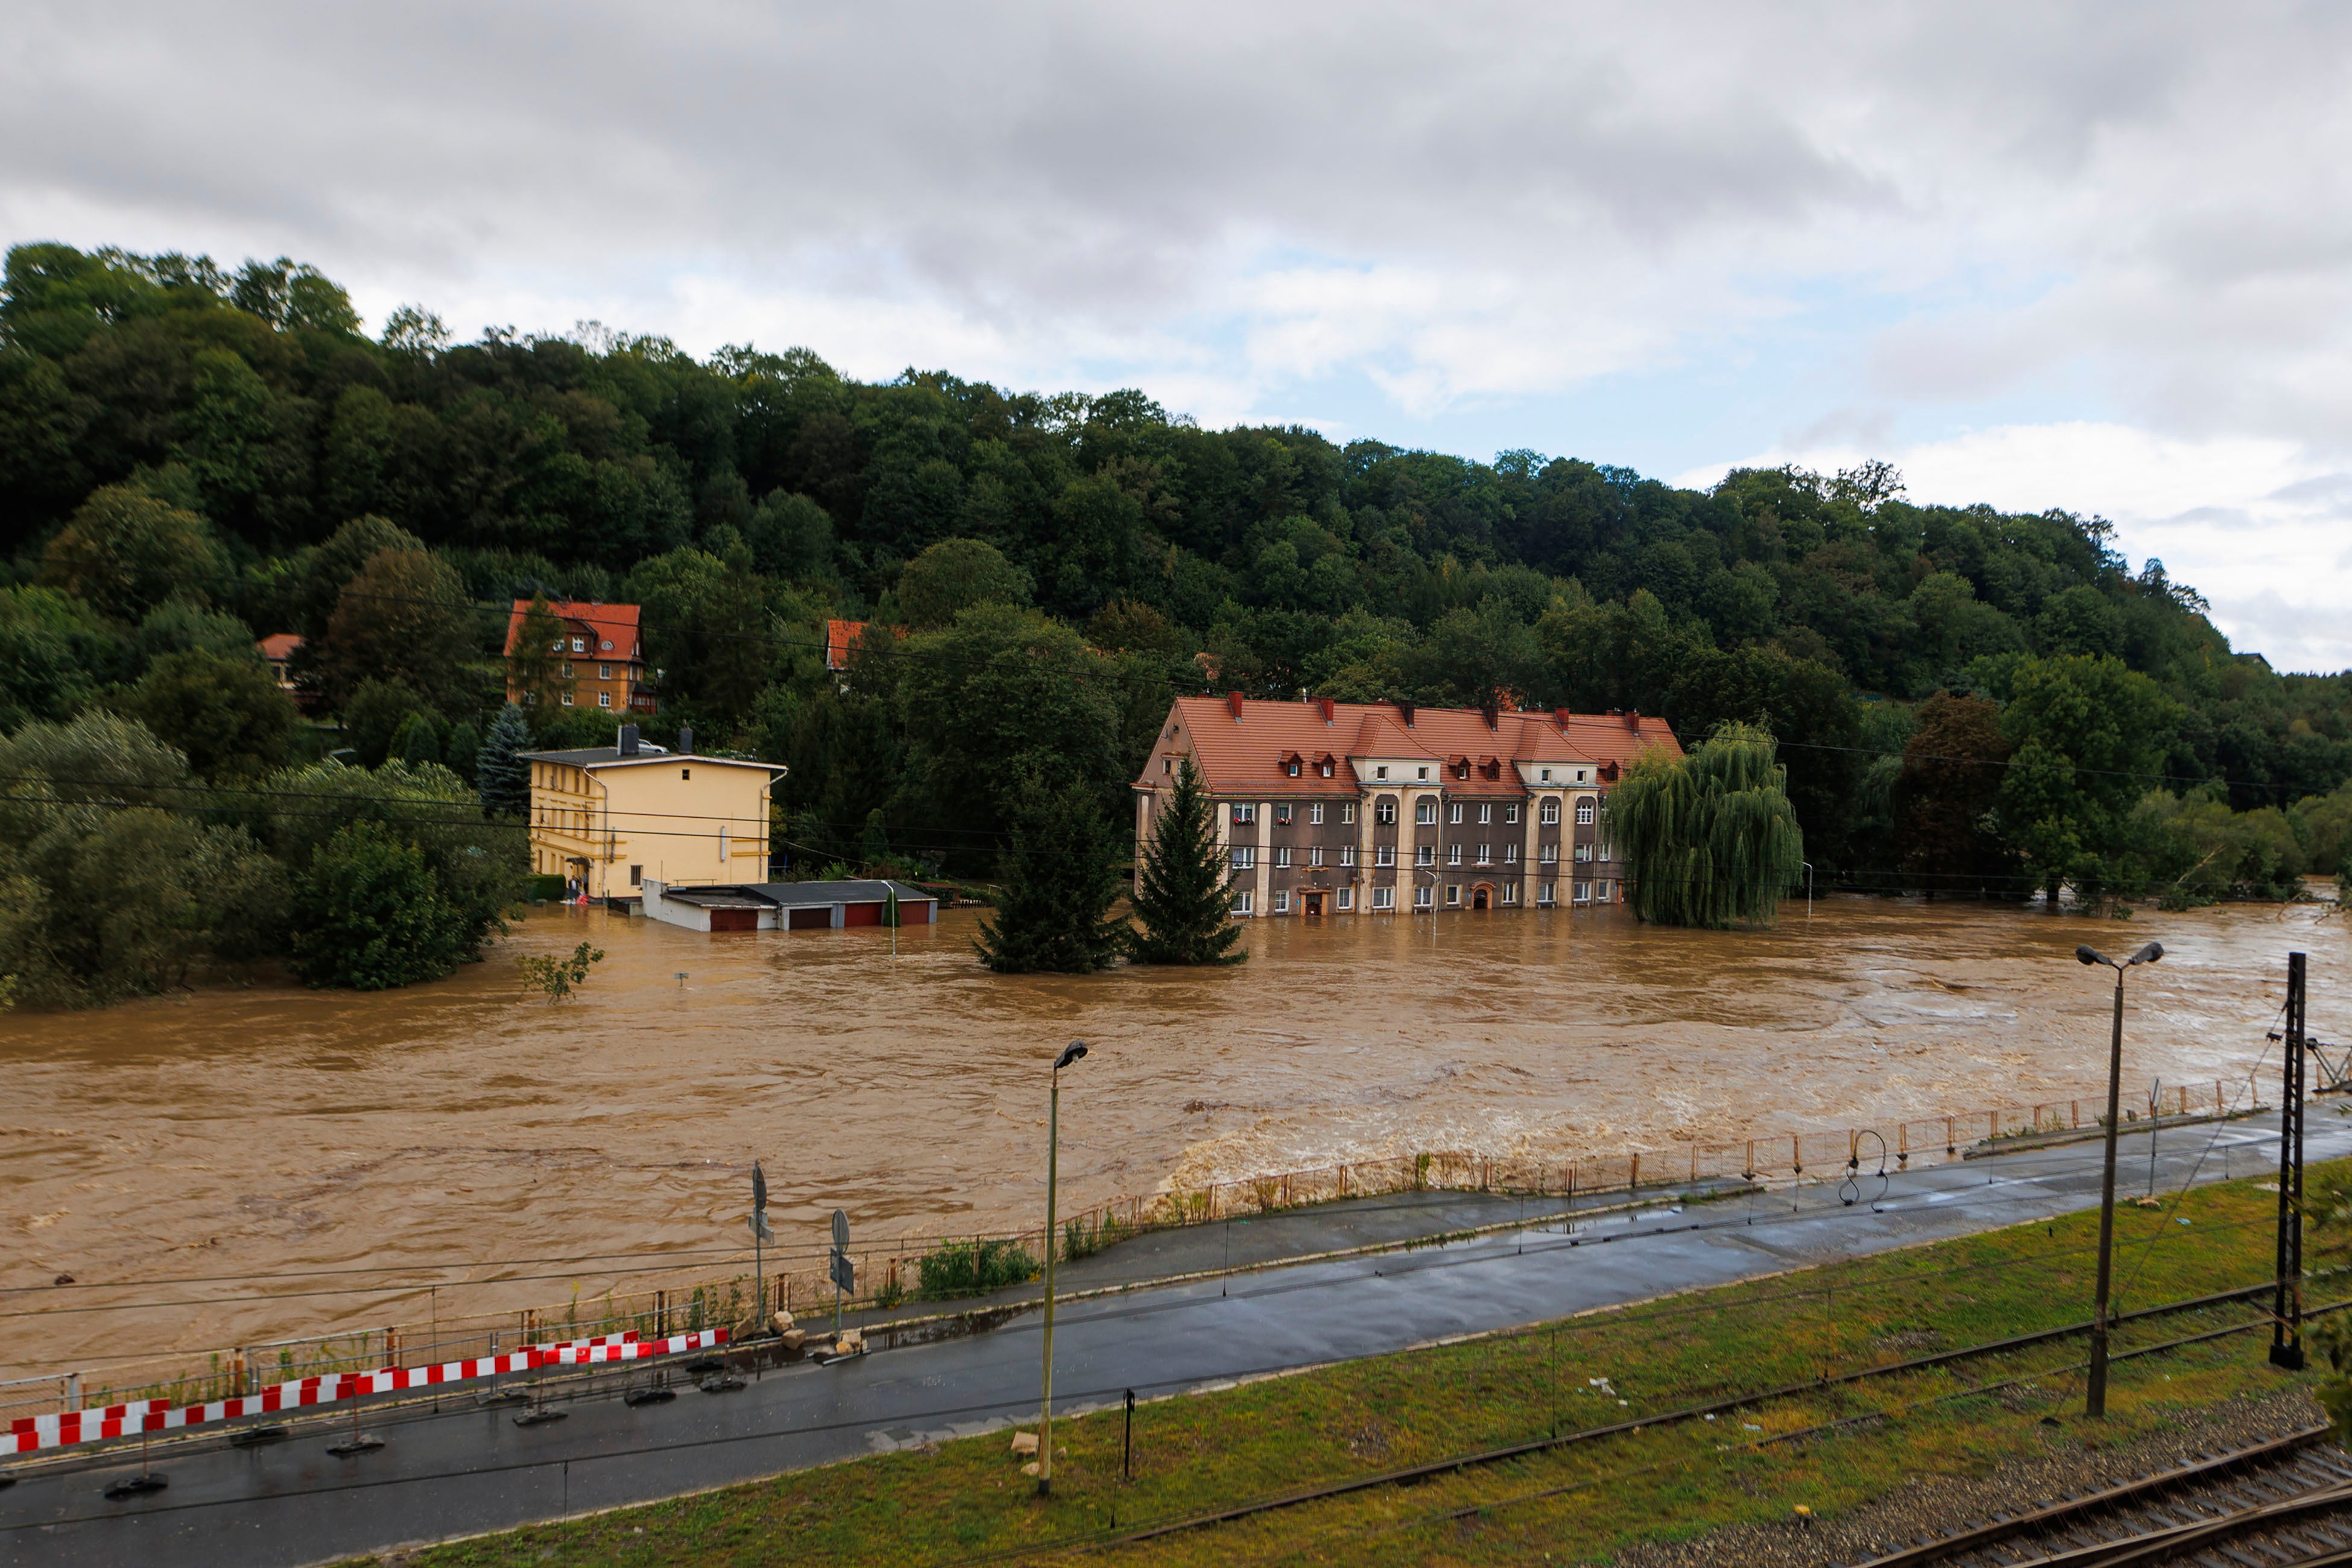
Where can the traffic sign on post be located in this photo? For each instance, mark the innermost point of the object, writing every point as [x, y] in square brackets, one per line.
[845, 1273]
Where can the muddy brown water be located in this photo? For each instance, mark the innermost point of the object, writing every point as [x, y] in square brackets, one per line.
[234, 1135]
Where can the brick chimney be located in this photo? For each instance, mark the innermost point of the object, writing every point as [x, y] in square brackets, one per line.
[1560, 716]
[1234, 701]
[1633, 717]
[1327, 706]
[1405, 712]
[1493, 713]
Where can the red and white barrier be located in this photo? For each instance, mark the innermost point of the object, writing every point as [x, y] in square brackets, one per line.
[33, 1433]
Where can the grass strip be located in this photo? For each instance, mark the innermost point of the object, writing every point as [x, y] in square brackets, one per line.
[967, 1501]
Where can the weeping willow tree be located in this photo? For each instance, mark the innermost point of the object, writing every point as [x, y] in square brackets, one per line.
[1711, 839]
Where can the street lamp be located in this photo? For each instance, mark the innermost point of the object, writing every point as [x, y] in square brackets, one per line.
[1070, 1053]
[2096, 1405]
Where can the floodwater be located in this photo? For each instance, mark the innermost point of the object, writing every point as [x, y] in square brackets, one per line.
[233, 1139]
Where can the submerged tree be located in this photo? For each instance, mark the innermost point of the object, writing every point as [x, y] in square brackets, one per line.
[1711, 839]
[501, 776]
[1184, 893]
[1061, 876]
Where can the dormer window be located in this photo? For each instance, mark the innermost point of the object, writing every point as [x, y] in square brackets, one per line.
[1293, 769]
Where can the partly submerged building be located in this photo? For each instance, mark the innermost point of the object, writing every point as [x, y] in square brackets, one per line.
[607, 818]
[1331, 808]
[788, 906]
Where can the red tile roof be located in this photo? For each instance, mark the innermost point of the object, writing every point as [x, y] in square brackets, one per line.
[610, 630]
[1244, 744]
[278, 644]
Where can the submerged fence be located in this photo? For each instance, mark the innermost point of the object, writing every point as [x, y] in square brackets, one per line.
[656, 1303]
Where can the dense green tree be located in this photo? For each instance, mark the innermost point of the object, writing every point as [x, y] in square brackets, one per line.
[54, 653]
[1710, 839]
[464, 747]
[1059, 878]
[369, 914]
[502, 776]
[405, 620]
[1951, 775]
[2087, 738]
[953, 575]
[536, 662]
[222, 712]
[126, 551]
[376, 718]
[1184, 889]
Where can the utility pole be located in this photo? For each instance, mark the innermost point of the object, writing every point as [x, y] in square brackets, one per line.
[2286, 1314]
[2095, 1404]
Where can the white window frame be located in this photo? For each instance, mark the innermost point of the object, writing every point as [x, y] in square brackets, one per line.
[1383, 898]
[1583, 892]
[1545, 897]
[1453, 853]
[1511, 812]
[1485, 854]
[1583, 853]
[579, 645]
[1606, 851]
[1549, 855]
[1423, 897]
[1315, 815]
[1345, 900]
[1282, 815]
[1602, 889]
[1511, 892]
[1384, 811]
[1381, 772]
[1245, 857]
[1510, 854]
[1384, 855]
[1454, 816]
[1244, 905]
[1550, 812]
[1347, 811]
[603, 672]
[1424, 812]
[1244, 813]
[1546, 775]
[1452, 895]
[1424, 854]
[1282, 900]
[1282, 858]
[603, 700]
[567, 699]
[1584, 812]
[1486, 812]
[1315, 856]
[1347, 853]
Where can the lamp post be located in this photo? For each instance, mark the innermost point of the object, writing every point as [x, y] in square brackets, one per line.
[2095, 1405]
[1070, 1053]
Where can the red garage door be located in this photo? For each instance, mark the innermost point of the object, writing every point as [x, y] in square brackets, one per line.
[734, 920]
[809, 919]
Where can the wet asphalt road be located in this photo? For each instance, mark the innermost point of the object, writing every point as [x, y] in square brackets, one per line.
[468, 1469]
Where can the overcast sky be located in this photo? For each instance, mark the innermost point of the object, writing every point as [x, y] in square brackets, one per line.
[2091, 259]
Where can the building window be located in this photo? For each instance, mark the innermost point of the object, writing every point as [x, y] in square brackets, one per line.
[1485, 854]
[1549, 854]
[1244, 858]
[1325, 769]
[1421, 897]
[1510, 854]
[1291, 769]
[1281, 902]
[1607, 850]
[1486, 812]
[1315, 856]
[1281, 816]
[636, 876]
[603, 672]
[686, 772]
[1584, 852]
[1347, 853]
[1167, 764]
[1584, 812]
[1580, 776]
[1315, 815]
[1454, 854]
[579, 645]
[1347, 811]
[1244, 813]
[1550, 812]
[1383, 898]
[1242, 905]
[1603, 891]
[1384, 811]
[1584, 892]
[1381, 772]
[1454, 814]
[1345, 899]
[1510, 892]
[567, 669]
[1511, 812]
[1384, 855]
[1543, 898]
[603, 700]
[1425, 854]
[1546, 775]
[1425, 812]
[567, 699]
[1452, 894]
[1423, 772]
[1282, 858]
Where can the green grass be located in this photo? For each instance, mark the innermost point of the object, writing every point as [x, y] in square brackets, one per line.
[967, 1499]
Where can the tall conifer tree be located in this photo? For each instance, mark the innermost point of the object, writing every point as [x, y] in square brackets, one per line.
[1184, 893]
[1060, 878]
[501, 778]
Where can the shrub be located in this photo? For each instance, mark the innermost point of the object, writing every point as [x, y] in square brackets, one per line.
[370, 914]
[972, 1268]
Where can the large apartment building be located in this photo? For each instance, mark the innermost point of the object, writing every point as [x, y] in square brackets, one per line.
[596, 660]
[1333, 808]
[609, 818]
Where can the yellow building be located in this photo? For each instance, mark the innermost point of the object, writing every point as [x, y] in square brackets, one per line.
[608, 818]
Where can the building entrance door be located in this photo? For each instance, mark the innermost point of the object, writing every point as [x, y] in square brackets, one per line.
[1312, 903]
[1482, 896]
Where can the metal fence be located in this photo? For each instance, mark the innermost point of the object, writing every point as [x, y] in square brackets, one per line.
[891, 1272]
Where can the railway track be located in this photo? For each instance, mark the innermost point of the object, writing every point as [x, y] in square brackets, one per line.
[2286, 1503]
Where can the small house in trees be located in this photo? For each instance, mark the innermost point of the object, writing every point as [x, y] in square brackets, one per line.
[593, 658]
[609, 818]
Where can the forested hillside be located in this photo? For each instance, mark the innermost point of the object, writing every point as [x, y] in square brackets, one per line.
[191, 458]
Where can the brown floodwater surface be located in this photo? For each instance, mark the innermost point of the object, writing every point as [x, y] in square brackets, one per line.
[234, 1134]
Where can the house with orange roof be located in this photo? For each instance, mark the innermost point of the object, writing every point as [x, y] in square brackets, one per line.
[1330, 808]
[600, 657]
